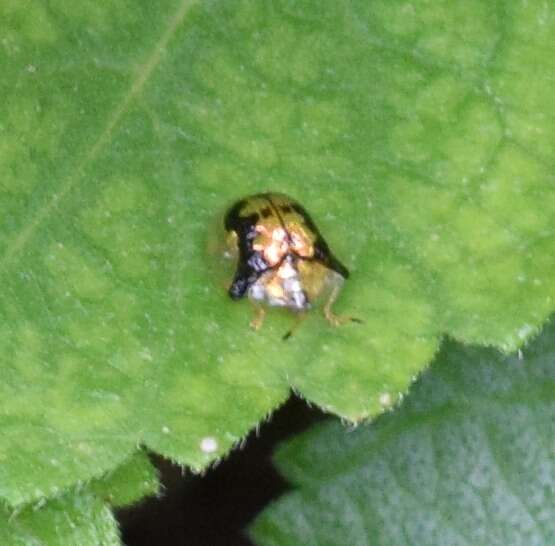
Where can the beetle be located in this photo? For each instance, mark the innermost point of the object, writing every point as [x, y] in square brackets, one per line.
[282, 258]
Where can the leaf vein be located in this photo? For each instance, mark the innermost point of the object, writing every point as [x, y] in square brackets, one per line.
[143, 74]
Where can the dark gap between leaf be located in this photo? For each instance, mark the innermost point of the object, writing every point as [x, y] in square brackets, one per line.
[215, 509]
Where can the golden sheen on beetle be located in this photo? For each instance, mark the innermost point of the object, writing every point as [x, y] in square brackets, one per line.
[282, 259]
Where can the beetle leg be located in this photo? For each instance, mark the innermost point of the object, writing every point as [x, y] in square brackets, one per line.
[295, 327]
[259, 314]
[331, 317]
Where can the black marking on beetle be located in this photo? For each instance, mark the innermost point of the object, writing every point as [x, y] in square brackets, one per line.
[322, 252]
[302, 212]
[232, 216]
[266, 212]
[251, 263]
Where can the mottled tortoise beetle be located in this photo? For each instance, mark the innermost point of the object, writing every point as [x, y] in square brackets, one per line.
[282, 258]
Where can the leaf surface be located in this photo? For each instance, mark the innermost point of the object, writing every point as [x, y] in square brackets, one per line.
[419, 136]
[467, 459]
[82, 517]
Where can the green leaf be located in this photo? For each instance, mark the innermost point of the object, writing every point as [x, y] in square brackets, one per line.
[82, 517]
[73, 520]
[128, 483]
[467, 459]
[419, 136]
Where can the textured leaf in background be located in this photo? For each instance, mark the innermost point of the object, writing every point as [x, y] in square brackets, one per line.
[467, 459]
[82, 517]
[419, 135]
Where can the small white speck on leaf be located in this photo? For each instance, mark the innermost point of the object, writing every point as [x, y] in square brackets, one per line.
[385, 399]
[208, 444]
[525, 330]
[165, 429]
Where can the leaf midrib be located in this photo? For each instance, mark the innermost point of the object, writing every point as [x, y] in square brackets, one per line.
[142, 75]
